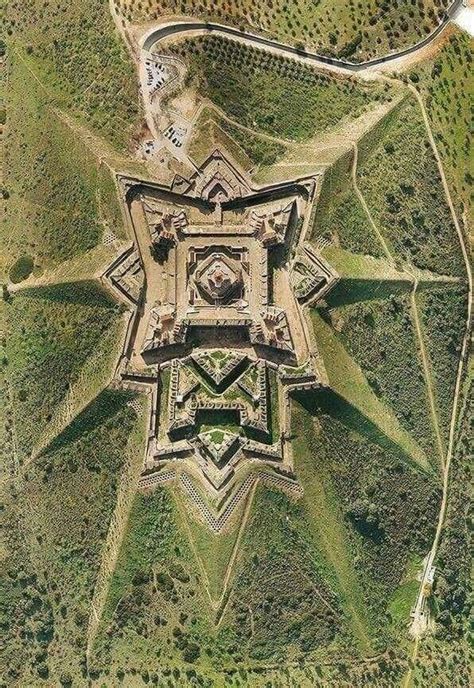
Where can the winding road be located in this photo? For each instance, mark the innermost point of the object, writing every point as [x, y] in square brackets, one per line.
[180, 27]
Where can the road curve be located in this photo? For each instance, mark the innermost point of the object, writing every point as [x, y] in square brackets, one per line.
[182, 27]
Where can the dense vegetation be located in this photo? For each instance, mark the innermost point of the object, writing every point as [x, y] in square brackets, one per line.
[26, 616]
[155, 593]
[7, 430]
[54, 530]
[272, 94]
[453, 583]
[353, 398]
[401, 183]
[351, 30]
[443, 317]
[157, 607]
[380, 337]
[446, 658]
[442, 663]
[276, 549]
[372, 489]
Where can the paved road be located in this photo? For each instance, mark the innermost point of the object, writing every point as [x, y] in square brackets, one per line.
[182, 27]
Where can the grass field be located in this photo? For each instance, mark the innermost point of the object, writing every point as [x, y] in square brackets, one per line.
[60, 200]
[351, 30]
[363, 277]
[270, 94]
[403, 598]
[212, 131]
[220, 545]
[52, 333]
[75, 52]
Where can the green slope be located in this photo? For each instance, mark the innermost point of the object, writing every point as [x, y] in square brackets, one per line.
[326, 522]
[350, 384]
[61, 346]
[156, 606]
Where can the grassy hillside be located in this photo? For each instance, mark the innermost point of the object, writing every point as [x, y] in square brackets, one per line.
[60, 200]
[363, 277]
[345, 223]
[443, 319]
[272, 620]
[402, 187]
[213, 131]
[271, 94]
[340, 217]
[156, 607]
[55, 528]
[445, 659]
[368, 487]
[327, 525]
[214, 551]
[354, 399]
[380, 337]
[75, 51]
[53, 331]
[445, 84]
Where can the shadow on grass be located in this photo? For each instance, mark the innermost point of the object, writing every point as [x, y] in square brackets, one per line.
[348, 291]
[106, 405]
[84, 293]
[327, 401]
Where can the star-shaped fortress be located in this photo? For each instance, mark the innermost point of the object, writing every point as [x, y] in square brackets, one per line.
[218, 279]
